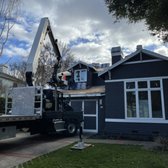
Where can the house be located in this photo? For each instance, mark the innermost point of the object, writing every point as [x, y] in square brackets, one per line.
[87, 94]
[136, 94]
[7, 81]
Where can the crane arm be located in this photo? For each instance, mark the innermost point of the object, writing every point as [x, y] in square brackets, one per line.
[34, 55]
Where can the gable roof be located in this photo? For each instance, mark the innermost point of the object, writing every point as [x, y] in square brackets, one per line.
[81, 62]
[156, 55]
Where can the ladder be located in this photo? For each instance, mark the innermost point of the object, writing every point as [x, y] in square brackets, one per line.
[38, 100]
[8, 102]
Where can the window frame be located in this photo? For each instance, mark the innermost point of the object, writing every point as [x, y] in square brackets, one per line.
[149, 89]
[80, 71]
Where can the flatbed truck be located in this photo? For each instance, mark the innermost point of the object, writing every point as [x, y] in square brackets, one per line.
[39, 110]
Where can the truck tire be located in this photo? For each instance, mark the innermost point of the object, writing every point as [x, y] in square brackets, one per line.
[71, 129]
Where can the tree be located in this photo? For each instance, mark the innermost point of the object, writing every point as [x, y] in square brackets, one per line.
[45, 65]
[153, 12]
[67, 56]
[8, 13]
[18, 70]
[48, 59]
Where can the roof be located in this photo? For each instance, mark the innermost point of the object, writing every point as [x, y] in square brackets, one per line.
[159, 56]
[81, 62]
[9, 77]
[93, 91]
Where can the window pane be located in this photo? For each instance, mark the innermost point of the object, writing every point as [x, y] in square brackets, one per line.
[130, 85]
[156, 104]
[143, 104]
[77, 76]
[154, 84]
[142, 84]
[83, 75]
[131, 104]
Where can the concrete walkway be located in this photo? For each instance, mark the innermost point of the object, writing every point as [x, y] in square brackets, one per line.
[25, 147]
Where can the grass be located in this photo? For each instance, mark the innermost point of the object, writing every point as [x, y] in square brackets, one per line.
[101, 156]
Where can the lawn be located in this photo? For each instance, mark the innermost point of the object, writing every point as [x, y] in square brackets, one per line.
[101, 156]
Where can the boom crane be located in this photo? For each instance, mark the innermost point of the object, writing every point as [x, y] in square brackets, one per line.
[32, 63]
[41, 110]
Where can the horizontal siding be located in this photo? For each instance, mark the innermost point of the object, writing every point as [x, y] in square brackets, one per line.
[165, 93]
[141, 70]
[115, 100]
[139, 129]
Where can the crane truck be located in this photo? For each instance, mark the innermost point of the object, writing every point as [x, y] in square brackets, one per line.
[33, 107]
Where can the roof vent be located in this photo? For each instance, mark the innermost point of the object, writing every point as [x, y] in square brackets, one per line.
[139, 47]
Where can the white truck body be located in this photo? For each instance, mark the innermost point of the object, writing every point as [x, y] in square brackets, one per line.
[22, 101]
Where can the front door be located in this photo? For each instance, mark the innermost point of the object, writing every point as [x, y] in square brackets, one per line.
[90, 113]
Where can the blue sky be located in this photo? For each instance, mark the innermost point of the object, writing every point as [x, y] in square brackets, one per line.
[85, 26]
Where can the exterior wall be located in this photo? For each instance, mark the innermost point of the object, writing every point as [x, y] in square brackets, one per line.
[7, 81]
[89, 74]
[97, 81]
[101, 115]
[114, 100]
[136, 130]
[139, 70]
[118, 124]
[165, 92]
[89, 78]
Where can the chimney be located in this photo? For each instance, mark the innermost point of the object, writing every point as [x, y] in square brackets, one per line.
[139, 47]
[116, 54]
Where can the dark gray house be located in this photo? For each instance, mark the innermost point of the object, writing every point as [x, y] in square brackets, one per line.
[136, 94]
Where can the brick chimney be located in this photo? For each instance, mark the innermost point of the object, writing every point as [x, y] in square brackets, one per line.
[139, 47]
[116, 54]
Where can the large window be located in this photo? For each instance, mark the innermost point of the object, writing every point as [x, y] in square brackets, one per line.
[80, 75]
[144, 99]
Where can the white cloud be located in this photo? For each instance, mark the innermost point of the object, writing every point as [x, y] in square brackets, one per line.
[16, 51]
[162, 50]
[73, 19]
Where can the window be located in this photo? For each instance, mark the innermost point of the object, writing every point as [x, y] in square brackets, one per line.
[131, 104]
[80, 75]
[144, 99]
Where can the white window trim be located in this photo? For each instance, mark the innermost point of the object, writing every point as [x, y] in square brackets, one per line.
[80, 75]
[136, 120]
[148, 89]
[139, 79]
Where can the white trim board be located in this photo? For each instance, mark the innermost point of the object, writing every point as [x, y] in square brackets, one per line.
[157, 121]
[150, 53]
[144, 61]
[84, 95]
[137, 79]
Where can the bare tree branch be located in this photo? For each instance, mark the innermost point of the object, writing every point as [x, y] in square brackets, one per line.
[8, 14]
[47, 61]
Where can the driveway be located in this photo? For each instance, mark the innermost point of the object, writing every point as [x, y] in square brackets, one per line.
[25, 147]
